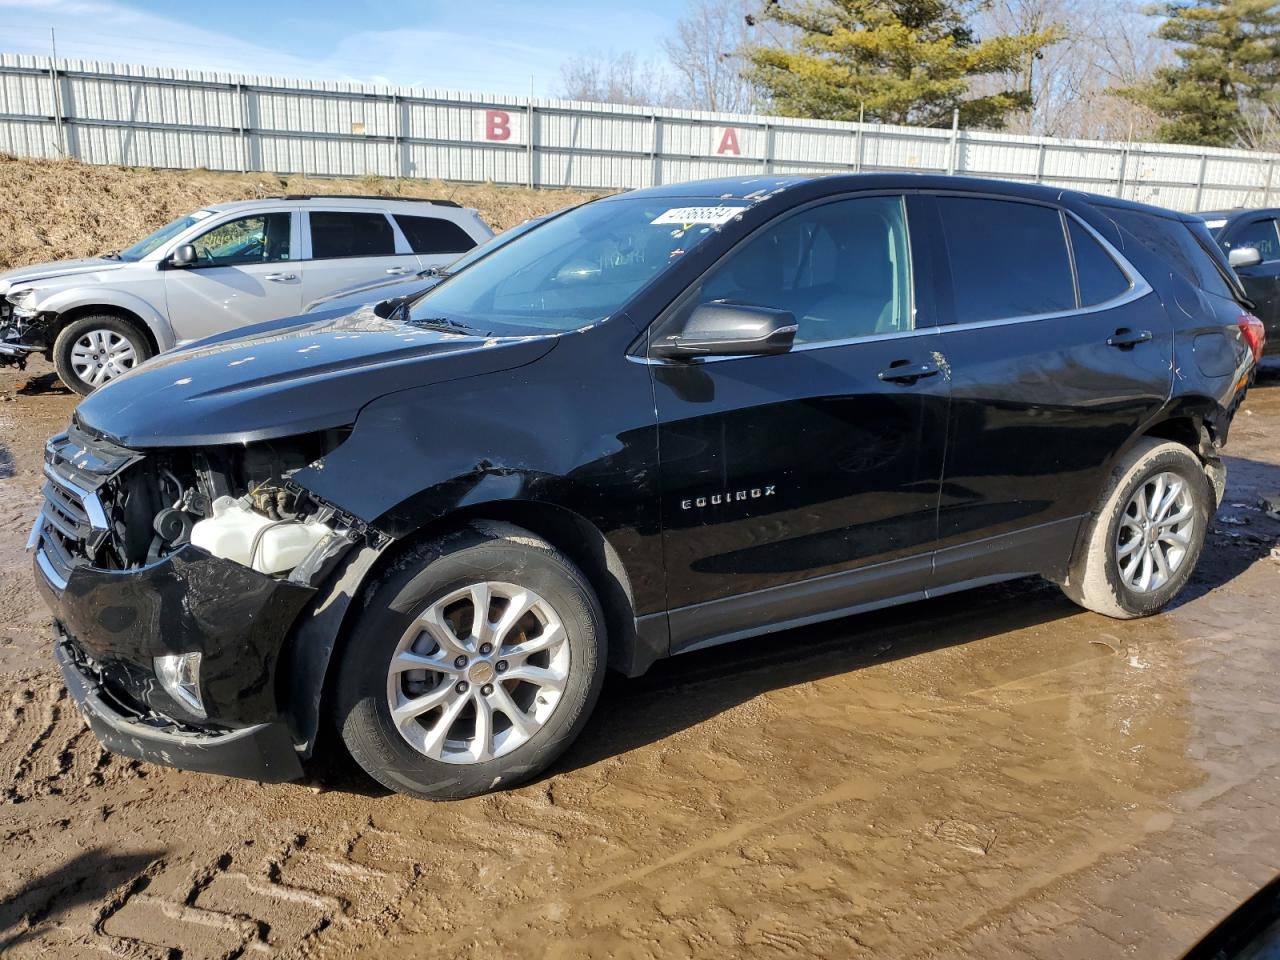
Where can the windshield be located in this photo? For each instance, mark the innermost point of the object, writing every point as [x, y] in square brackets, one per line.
[573, 270]
[161, 236]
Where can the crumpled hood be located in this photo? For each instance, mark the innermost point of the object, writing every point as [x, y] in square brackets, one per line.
[23, 276]
[287, 377]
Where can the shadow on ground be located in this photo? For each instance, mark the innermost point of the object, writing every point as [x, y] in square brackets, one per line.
[86, 878]
[44, 384]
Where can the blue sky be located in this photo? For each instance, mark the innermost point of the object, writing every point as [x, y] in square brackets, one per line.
[484, 45]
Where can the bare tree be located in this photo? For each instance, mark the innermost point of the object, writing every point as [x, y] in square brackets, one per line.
[705, 53]
[1103, 46]
[614, 78]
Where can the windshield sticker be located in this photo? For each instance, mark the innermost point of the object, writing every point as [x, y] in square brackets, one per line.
[1215, 224]
[201, 214]
[688, 216]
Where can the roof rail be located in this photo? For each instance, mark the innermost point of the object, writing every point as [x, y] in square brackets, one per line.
[363, 196]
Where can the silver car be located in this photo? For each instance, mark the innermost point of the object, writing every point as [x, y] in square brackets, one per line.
[226, 266]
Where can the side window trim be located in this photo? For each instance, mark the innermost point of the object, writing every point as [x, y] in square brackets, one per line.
[638, 351]
[1071, 258]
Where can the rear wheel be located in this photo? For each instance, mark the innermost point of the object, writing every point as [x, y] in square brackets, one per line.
[96, 349]
[1147, 533]
[476, 662]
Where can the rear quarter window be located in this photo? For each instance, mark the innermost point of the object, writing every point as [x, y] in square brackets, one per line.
[433, 235]
[1100, 278]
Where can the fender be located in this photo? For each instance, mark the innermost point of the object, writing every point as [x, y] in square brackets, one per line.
[103, 295]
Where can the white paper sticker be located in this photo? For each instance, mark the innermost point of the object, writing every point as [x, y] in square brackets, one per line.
[687, 216]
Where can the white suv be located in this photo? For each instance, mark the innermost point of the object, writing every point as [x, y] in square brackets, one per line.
[228, 265]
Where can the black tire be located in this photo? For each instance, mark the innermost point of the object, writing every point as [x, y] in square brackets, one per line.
[483, 552]
[1095, 579]
[108, 323]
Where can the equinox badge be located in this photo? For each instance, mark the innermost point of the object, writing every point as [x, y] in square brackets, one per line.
[729, 496]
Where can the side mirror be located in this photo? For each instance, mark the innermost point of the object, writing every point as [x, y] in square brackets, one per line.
[183, 255]
[729, 330]
[1244, 257]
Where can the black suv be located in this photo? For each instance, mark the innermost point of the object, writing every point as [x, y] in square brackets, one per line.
[656, 422]
[1251, 239]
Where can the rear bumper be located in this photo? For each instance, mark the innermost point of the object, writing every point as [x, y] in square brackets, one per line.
[262, 752]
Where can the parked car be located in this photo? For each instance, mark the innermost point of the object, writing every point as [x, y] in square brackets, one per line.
[218, 269]
[658, 422]
[1240, 233]
[386, 289]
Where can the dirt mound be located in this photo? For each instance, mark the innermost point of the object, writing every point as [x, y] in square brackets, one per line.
[54, 209]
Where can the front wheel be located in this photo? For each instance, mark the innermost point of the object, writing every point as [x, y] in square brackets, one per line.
[96, 349]
[1147, 533]
[476, 662]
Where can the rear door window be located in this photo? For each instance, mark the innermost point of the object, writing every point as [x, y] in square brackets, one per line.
[339, 233]
[1008, 259]
[433, 235]
[1100, 278]
[1260, 234]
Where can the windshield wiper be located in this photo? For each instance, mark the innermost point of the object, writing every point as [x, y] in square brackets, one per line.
[439, 323]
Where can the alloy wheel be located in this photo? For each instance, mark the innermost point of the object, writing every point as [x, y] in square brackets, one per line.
[1155, 532]
[478, 673]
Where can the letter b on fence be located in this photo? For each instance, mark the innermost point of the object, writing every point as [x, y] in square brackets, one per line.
[497, 125]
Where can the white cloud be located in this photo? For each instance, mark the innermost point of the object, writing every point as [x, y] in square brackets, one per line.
[496, 52]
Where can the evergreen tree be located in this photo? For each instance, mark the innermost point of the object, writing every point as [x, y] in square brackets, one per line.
[1229, 55]
[903, 61]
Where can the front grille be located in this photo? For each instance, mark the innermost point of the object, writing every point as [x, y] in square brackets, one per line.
[74, 521]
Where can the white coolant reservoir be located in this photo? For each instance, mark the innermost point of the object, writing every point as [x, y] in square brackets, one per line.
[234, 527]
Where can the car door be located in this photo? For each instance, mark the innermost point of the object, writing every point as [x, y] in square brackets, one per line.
[1057, 354]
[346, 247]
[800, 484]
[244, 273]
[1261, 281]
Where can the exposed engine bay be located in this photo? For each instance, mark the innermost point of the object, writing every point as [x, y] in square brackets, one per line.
[118, 509]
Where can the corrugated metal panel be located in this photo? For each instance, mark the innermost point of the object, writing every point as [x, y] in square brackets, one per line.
[172, 118]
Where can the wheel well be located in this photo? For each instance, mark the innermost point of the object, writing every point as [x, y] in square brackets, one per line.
[1197, 436]
[1183, 430]
[574, 536]
[75, 313]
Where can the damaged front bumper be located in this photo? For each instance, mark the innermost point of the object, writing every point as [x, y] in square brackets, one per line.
[262, 752]
[113, 624]
[20, 336]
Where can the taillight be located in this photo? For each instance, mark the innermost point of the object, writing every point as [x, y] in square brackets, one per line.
[1254, 333]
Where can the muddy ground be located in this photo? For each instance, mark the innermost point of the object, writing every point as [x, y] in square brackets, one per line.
[996, 774]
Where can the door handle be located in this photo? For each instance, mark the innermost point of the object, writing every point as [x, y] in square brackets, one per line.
[1126, 339]
[397, 271]
[280, 277]
[904, 372]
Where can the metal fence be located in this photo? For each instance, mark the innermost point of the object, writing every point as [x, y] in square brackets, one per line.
[142, 116]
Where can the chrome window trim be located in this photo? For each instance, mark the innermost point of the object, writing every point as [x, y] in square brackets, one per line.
[1138, 288]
